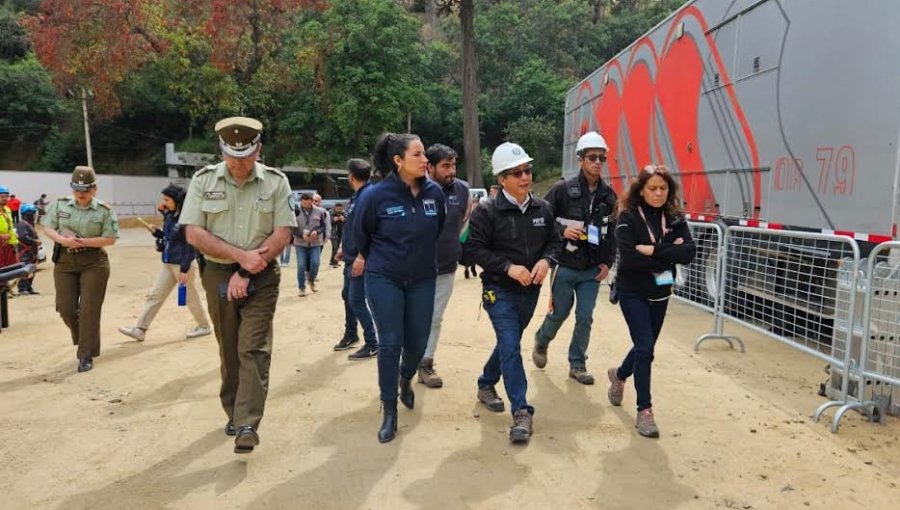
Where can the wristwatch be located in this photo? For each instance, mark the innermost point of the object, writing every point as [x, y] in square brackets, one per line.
[243, 273]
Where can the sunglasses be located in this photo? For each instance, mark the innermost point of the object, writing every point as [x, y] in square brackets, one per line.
[518, 173]
[593, 158]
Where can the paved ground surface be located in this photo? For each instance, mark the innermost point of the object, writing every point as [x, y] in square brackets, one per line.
[143, 430]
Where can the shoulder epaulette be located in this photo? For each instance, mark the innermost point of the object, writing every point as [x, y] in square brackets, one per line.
[105, 205]
[205, 169]
[60, 199]
[275, 171]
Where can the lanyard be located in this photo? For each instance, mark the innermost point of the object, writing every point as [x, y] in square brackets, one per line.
[662, 221]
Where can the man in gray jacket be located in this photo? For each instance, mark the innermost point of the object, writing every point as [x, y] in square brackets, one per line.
[442, 170]
[308, 239]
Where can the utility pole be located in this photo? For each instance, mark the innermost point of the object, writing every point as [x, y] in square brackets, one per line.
[87, 129]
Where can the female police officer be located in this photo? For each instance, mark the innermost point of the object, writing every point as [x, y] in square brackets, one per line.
[81, 226]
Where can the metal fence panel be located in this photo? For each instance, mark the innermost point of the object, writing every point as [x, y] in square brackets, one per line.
[697, 283]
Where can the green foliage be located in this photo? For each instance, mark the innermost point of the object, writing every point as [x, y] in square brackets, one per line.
[28, 102]
[13, 40]
[326, 81]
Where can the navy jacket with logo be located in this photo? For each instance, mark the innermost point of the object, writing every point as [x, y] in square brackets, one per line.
[396, 232]
[348, 249]
[449, 248]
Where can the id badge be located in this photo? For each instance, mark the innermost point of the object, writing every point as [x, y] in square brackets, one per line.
[593, 235]
[664, 278]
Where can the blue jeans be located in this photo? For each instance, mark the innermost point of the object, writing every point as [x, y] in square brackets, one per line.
[645, 320]
[402, 314]
[572, 285]
[285, 257]
[304, 274]
[354, 294]
[510, 315]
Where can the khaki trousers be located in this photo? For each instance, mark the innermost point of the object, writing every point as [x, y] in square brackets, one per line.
[244, 332]
[80, 281]
[166, 280]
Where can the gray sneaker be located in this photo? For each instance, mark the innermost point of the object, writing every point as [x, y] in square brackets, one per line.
[488, 396]
[616, 387]
[134, 332]
[520, 432]
[199, 331]
[539, 355]
[581, 375]
[645, 424]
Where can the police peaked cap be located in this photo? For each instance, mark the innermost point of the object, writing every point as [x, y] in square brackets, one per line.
[239, 136]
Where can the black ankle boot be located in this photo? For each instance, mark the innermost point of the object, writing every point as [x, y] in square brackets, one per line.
[389, 424]
[406, 393]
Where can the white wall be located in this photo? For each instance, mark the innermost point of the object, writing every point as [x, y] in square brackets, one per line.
[129, 195]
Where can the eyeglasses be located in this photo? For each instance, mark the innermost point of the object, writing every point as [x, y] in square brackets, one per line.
[593, 158]
[518, 172]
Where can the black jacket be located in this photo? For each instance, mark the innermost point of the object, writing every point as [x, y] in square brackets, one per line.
[501, 235]
[176, 250]
[571, 199]
[635, 272]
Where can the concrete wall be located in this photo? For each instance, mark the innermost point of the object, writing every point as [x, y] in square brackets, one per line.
[129, 195]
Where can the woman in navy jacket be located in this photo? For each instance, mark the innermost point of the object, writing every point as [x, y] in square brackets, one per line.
[395, 226]
[652, 236]
[178, 269]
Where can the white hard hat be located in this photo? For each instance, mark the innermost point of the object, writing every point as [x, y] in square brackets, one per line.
[508, 155]
[590, 140]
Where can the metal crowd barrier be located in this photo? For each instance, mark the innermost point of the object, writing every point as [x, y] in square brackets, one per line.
[698, 283]
[799, 288]
[130, 209]
[878, 373]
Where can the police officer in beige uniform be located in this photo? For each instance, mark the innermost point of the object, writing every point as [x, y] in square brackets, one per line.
[239, 214]
[81, 226]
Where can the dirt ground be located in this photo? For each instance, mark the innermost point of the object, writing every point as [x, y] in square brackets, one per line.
[143, 430]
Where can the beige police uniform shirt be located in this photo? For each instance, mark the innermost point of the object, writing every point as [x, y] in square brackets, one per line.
[96, 220]
[243, 216]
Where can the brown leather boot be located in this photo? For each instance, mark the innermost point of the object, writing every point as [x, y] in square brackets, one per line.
[428, 376]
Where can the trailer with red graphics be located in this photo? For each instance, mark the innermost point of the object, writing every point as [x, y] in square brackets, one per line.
[771, 113]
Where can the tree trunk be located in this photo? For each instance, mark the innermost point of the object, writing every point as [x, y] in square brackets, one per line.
[471, 133]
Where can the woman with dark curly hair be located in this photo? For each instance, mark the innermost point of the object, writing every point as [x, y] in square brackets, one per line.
[178, 268]
[652, 236]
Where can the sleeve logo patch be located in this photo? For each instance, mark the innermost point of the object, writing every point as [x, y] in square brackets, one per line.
[429, 206]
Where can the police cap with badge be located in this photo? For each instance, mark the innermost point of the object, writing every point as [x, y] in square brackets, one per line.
[239, 136]
[83, 178]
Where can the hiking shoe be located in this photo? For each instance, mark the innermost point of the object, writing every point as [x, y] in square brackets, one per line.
[302, 293]
[520, 431]
[539, 356]
[645, 424]
[312, 286]
[428, 376]
[345, 343]
[488, 396]
[581, 375]
[364, 352]
[616, 387]
[199, 331]
[135, 332]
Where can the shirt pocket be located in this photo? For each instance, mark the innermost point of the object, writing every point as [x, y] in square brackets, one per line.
[216, 213]
[265, 213]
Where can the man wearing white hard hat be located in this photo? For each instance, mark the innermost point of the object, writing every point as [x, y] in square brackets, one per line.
[513, 239]
[583, 206]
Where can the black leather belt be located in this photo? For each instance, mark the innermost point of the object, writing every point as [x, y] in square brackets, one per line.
[81, 250]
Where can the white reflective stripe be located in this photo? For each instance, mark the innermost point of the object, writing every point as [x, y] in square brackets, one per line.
[860, 236]
[744, 223]
[763, 224]
[828, 232]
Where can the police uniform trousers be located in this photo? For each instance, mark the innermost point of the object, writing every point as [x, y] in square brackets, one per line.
[244, 331]
[80, 279]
